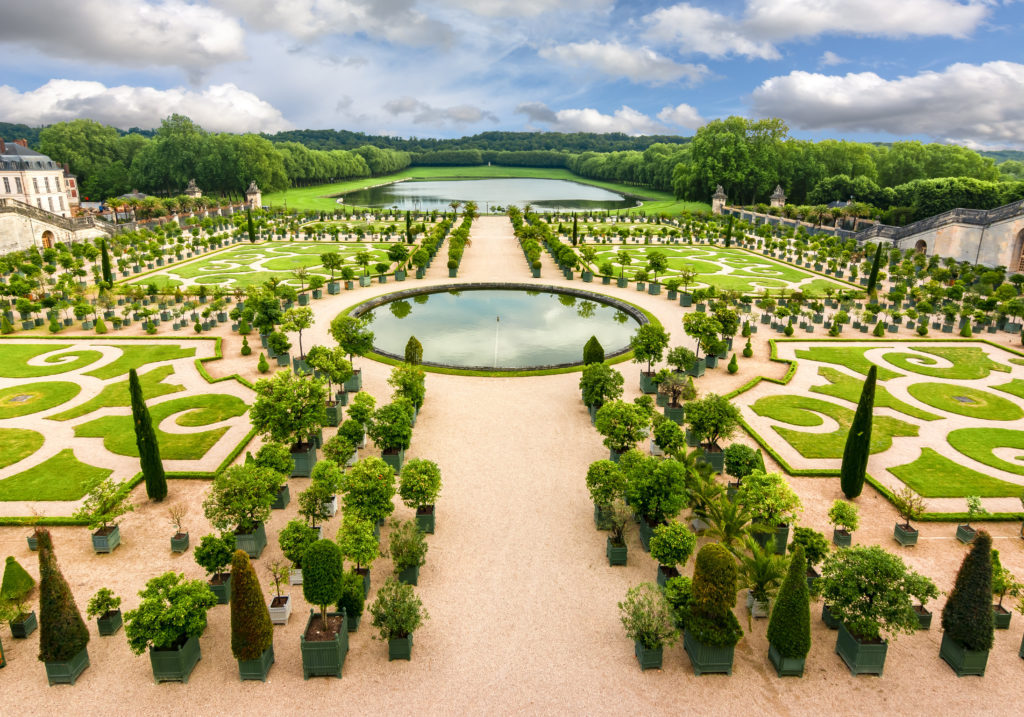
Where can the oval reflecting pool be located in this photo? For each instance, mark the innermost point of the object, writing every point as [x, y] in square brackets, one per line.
[500, 329]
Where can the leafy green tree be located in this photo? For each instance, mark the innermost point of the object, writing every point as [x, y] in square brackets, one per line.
[288, 408]
[672, 544]
[108, 276]
[873, 276]
[420, 482]
[789, 629]
[369, 488]
[656, 489]
[711, 419]
[858, 440]
[703, 328]
[622, 424]
[145, 439]
[649, 344]
[967, 616]
[241, 496]
[252, 633]
[172, 609]
[769, 497]
[711, 619]
[321, 576]
[413, 351]
[298, 318]
[352, 334]
[741, 460]
[600, 383]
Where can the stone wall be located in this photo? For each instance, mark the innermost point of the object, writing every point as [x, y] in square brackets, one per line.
[997, 244]
[18, 232]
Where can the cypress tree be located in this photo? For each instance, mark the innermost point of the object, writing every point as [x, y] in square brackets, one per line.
[251, 227]
[108, 276]
[593, 351]
[789, 629]
[413, 351]
[967, 616]
[728, 231]
[873, 276]
[145, 439]
[575, 231]
[62, 632]
[251, 630]
[858, 440]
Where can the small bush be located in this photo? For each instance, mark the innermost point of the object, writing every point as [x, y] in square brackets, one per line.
[879, 329]
[789, 629]
[922, 329]
[246, 349]
[55, 325]
[748, 350]
[353, 599]
[593, 352]
[966, 331]
[413, 351]
[397, 611]
[262, 366]
[647, 616]
[733, 367]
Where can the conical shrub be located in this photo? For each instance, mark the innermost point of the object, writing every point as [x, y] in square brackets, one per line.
[251, 630]
[789, 629]
[17, 583]
[145, 439]
[967, 616]
[858, 440]
[62, 631]
[593, 352]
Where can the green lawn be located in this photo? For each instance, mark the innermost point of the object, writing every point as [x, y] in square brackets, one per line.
[118, 433]
[14, 359]
[803, 410]
[116, 395]
[850, 356]
[848, 388]
[35, 397]
[62, 477]
[933, 475]
[17, 444]
[321, 197]
[978, 443]
[975, 403]
[1014, 387]
[136, 356]
[969, 362]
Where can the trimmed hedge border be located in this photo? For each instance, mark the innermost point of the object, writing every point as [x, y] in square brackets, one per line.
[829, 473]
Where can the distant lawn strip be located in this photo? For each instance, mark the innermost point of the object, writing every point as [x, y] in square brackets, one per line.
[803, 410]
[136, 356]
[978, 404]
[17, 444]
[848, 388]
[14, 359]
[62, 477]
[933, 475]
[116, 395]
[850, 356]
[118, 434]
[969, 362]
[1018, 361]
[978, 443]
[40, 397]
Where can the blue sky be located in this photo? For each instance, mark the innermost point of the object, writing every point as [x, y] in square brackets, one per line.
[936, 70]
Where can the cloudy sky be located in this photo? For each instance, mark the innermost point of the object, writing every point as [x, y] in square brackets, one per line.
[942, 70]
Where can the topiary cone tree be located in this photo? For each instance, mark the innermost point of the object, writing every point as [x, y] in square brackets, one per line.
[108, 276]
[858, 440]
[967, 616]
[593, 352]
[873, 276]
[145, 439]
[62, 632]
[789, 629]
[252, 633]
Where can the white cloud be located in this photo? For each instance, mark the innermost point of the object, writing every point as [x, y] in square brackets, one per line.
[126, 32]
[765, 23]
[625, 119]
[222, 108]
[976, 104]
[529, 8]
[637, 64]
[397, 21]
[682, 116]
[829, 59]
[423, 113]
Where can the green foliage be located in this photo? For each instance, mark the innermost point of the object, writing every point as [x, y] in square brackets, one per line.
[16, 585]
[397, 611]
[357, 541]
[873, 276]
[361, 407]
[145, 440]
[262, 366]
[733, 366]
[102, 602]
[172, 610]
[908, 504]
[407, 546]
[922, 329]
[241, 496]
[315, 503]
[844, 516]
[710, 618]
[672, 544]
[769, 498]
[815, 545]
[600, 383]
[622, 424]
[276, 457]
[703, 328]
[5, 326]
[967, 616]
[420, 482]
[295, 539]
[868, 589]
[390, 427]
[1003, 581]
[251, 630]
[409, 382]
[55, 326]
[62, 632]
[321, 575]
[339, 448]
[369, 488]
[655, 488]
[879, 330]
[288, 408]
[649, 343]
[413, 351]
[352, 334]
[352, 597]
[741, 460]
[246, 350]
[647, 616]
[104, 503]
[593, 352]
[605, 481]
[789, 628]
[712, 418]
[858, 440]
[213, 554]
[669, 436]
[761, 570]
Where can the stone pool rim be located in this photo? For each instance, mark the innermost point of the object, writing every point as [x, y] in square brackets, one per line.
[616, 356]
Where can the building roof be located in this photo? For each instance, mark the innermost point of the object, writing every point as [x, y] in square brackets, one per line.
[16, 156]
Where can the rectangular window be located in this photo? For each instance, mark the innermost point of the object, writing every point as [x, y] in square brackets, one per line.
[40, 203]
[49, 200]
[35, 185]
[7, 185]
[61, 200]
[56, 184]
[17, 185]
[46, 184]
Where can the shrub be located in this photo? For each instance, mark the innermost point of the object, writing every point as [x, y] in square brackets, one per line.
[741, 460]
[622, 425]
[197, 327]
[357, 541]
[599, 383]
[733, 367]
[815, 546]
[966, 331]
[711, 618]
[5, 326]
[789, 628]
[105, 502]
[55, 326]
[908, 504]
[672, 544]
[606, 482]
[101, 603]
[748, 350]
[879, 329]
[251, 630]
[655, 488]
[352, 597]
[62, 632]
[407, 545]
[276, 457]
[409, 382]
[321, 576]
[145, 440]
[390, 427]
[369, 488]
[295, 539]
[315, 503]
[361, 408]
[213, 553]
[844, 516]
[593, 352]
[413, 351]
[262, 366]
[339, 449]
[922, 329]
[858, 441]
[397, 611]
[712, 418]
[172, 610]
[420, 482]
[679, 593]
[246, 349]
[647, 616]
[241, 496]
[769, 499]
[967, 616]
[669, 436]
[788, 331]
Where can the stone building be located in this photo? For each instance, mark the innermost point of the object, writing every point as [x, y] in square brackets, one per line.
[253, 195]
[34, 179]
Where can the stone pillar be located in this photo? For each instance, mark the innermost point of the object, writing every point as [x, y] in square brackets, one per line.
[718, 200]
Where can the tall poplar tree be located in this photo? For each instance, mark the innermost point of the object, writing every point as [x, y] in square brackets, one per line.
[873, 277]
[108, 276]
[145, 439]
[858, 440]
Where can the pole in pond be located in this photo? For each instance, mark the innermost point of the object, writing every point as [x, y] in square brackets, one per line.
[497, 325]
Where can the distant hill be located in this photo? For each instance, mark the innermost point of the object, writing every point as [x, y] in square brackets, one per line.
[1003, 155]
[10, 132]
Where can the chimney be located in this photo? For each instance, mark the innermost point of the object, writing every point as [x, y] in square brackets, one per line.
[3, 146]
[22, 142]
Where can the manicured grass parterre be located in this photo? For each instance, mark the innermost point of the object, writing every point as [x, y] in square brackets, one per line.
[116, 395]
[979, 444]
[852, 357]
[933, 475]
[848, 388]
[14, 359]
[202, 410]
[137, 356]
[29, 398]
[969, 362]
[17, 444]
[965, 401]
[62, 477]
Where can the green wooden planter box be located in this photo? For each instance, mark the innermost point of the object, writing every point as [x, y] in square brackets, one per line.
[176, 664]
[963, 661]
[252, 543]
[66, 672]
[781, 539]
[364, 281]
[622, 283]
[284, 497]
[305, 459]
[326, 658]
[1001, 617]
[355, 381]
[649, 658]
[708, 658]
[257, 669]
[425, 515]
[647, 384]
[653, 288]
[223, 590]
[675, 414]
[33, 542]
[110, 623]
[21, 629]
[714, 459]
[106, 543]
[646, 532]
[409, 576]
[786, 666]
[828, 618]
[617, 554]
[924, 618]
[698, 368]
[394, 459]
[400, 648]
[905, 535]
[282, 359]
[966, 534]
[842, 538]
[333, 287]
[179, 543]
[861, 658]
[334, 414]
